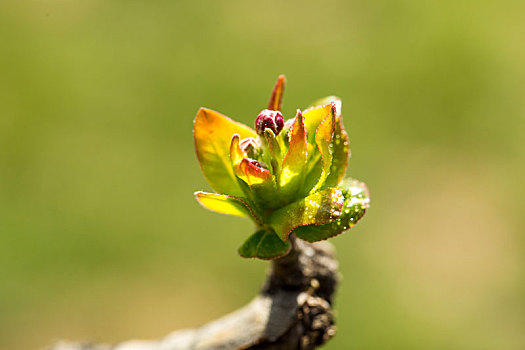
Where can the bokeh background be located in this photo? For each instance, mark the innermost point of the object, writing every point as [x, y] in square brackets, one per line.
[101, 238]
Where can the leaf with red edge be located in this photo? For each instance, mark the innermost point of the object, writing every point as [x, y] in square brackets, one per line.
[313, 116]
[319, 208]
[327, 100]
[256, 181]
[260, 182]
[212, 133]
[236, 153]
[340, 155]
[277, 94]
[340, 144]
[252, 172]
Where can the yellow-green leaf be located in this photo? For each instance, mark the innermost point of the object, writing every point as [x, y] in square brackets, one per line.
[327, 100]
[319, 208]
[340, 144]
[213, 133]
[236, 153]
[294, 162]
[225, 204]
[313, 116]
[357, 201]
[323, 140]
[274, 156]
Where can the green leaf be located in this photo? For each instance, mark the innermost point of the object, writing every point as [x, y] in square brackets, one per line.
[313, 174]
[264, 244]
[213, 133]
[226, 204]
[319, 208]
[265, 195]
[357, 201]
[294, 162]
[274, 152]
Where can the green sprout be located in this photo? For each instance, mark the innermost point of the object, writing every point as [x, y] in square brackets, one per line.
[288, 177]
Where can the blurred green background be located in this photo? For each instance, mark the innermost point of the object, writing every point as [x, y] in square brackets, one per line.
[101, 238]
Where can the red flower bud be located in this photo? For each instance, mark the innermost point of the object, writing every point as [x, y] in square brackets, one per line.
[269, 119]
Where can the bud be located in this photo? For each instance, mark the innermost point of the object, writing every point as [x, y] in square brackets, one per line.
[249, 146]
[269, 119]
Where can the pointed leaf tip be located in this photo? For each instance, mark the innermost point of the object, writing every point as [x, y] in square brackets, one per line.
[236, 153]
[225, 204]
[277, 94]
[313, 116]
[323, 139]
[330, 99]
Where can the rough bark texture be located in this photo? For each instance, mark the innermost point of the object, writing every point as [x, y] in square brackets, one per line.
[292, 311]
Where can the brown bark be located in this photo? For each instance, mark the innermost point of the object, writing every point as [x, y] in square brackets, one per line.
[292, 311]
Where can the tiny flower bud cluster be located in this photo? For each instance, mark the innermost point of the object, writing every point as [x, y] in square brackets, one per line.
[288, 177]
